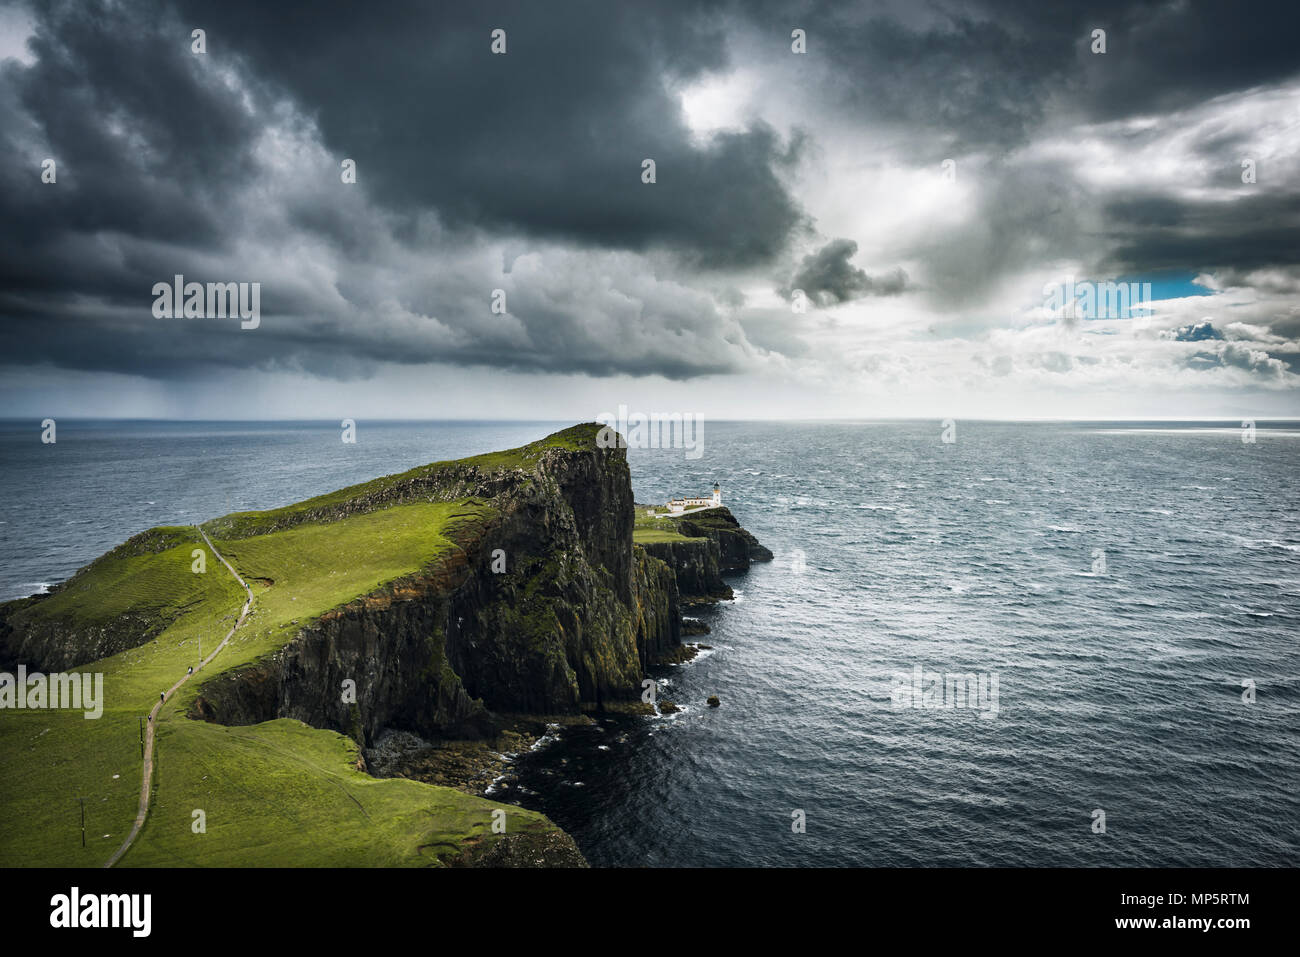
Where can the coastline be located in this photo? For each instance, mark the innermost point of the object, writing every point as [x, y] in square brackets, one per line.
[475, 658]
[486, 767]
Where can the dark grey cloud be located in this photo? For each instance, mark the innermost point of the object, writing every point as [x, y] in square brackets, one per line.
[147, 144]
[1163, 56]
[961, 83]
[955, 77]
[547, 139]
[993, 68]
[827, 277]
[163, 161]
[1258, 228]
[1281, 281]
[1196, 332]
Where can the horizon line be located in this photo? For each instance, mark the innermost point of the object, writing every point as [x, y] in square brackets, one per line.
[579, 421]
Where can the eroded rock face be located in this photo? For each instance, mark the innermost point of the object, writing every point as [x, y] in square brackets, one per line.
[659, 618]
[695, 563]
[391, 645]
[574, 620]
[715, 545]
[736, 546]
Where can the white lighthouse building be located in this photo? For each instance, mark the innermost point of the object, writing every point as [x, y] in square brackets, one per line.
[678, 505]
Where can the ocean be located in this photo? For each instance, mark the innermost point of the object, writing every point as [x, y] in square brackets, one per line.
[1131, 591]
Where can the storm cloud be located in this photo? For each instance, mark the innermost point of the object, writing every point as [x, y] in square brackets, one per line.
[827, 277]
[919, 172]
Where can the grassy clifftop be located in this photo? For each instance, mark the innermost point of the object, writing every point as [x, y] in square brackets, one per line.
[422, 481]
[118, 601]
[657, 528]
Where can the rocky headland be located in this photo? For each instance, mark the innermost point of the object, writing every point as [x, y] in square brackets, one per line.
[551, 601]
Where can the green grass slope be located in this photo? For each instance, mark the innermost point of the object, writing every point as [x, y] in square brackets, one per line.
[282, 794]
[143, 586]
[276, 793]
[659, 528]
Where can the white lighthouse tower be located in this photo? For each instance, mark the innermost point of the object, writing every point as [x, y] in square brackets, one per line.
[717, 494]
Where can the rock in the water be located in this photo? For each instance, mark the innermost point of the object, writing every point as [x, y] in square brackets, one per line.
[713, 701]
[693, 626]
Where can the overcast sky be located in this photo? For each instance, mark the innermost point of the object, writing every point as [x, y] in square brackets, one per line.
[924, 173]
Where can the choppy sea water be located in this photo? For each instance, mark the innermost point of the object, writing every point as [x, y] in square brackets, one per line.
[1120, 687]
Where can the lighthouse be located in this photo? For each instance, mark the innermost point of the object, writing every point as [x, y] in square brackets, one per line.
[717, 494]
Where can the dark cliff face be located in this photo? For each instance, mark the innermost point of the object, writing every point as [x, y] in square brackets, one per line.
[573, 621]
[714, 545]
[696, 566]
[20, 644]
[58, 645]
[391, 645]
[659, 618]
[736, 546]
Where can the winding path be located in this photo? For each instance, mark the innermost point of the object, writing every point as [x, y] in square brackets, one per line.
[146, 784]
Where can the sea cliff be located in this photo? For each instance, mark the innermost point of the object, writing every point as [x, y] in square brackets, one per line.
[549, 603]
